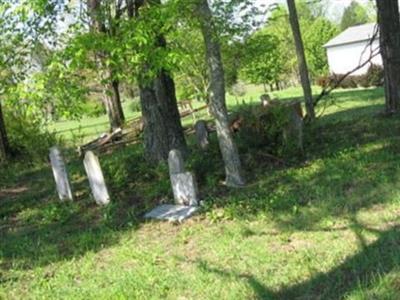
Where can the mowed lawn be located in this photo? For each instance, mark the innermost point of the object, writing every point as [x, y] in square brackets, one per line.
[322, 226]
[87, 128]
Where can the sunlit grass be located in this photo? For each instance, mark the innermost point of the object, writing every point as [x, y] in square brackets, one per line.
[321, 227]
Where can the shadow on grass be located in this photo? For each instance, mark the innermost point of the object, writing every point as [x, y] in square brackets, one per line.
[354, 165]
[37, 229]
[356, 273]
[351, 163]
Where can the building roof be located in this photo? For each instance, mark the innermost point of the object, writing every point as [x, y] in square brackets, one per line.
[352, 35]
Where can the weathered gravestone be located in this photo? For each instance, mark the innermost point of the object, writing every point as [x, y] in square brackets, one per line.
[176, 163]
[183, 183]
[201, 134]
[96, 178]
[293, 132]
[185, 192]
[60, 174]
[184, 188]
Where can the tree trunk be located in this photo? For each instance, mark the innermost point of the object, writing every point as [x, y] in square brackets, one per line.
[112, 99]
[227, 146]
[163, 130]
[389, 26]
[271, 87]
[162, 125]
[5, 150]
[112, 102]
[301, 58]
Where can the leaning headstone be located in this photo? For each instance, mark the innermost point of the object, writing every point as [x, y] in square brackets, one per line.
[60, 174]
[201, 134]
[184, 188]
[176, 163]
[96, 178]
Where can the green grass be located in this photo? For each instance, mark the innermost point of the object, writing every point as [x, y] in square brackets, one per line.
[324, 226]
[82, 130]
[85, 129]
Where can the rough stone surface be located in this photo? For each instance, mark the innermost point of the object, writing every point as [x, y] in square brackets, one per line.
[184, 188]
[201, 134]
[173, 213]
[176, 163]
[96, 178]
[293, 133]
[60, 174]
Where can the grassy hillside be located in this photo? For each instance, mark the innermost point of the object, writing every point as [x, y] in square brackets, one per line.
[324, 226]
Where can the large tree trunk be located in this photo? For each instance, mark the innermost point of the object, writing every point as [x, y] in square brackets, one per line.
[163, 130]
[227, 146]
[301, 58]
[162, 126]
[389, 26]
[112, 99]
[5, 150]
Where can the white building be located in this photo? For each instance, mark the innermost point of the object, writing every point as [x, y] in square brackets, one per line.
[351, 48]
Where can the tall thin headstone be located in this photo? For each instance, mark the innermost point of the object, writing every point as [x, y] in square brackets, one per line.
[60, 174]
[201, 134]
[96, 178]
[293, 131]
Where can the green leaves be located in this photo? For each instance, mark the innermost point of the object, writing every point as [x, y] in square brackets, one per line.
[262, 62]
[354, 14]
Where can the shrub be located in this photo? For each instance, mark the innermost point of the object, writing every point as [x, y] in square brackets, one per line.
[349, 82]
[28, 137]
[266, 128]
[323, 81]
[238, 90]
[374, 75]
[93, 109]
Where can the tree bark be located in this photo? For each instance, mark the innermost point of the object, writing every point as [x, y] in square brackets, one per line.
[162, 126]
[112, 99]
[389, 29]
[112, 102]
[301, 59]
[5, 150]
[163, 130]
[227, 146]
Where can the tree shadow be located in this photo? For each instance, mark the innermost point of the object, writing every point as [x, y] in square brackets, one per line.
[358, 272]
[37, 229]
[350, 164]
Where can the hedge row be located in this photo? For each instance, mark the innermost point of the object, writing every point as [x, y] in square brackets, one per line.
[373, 77]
